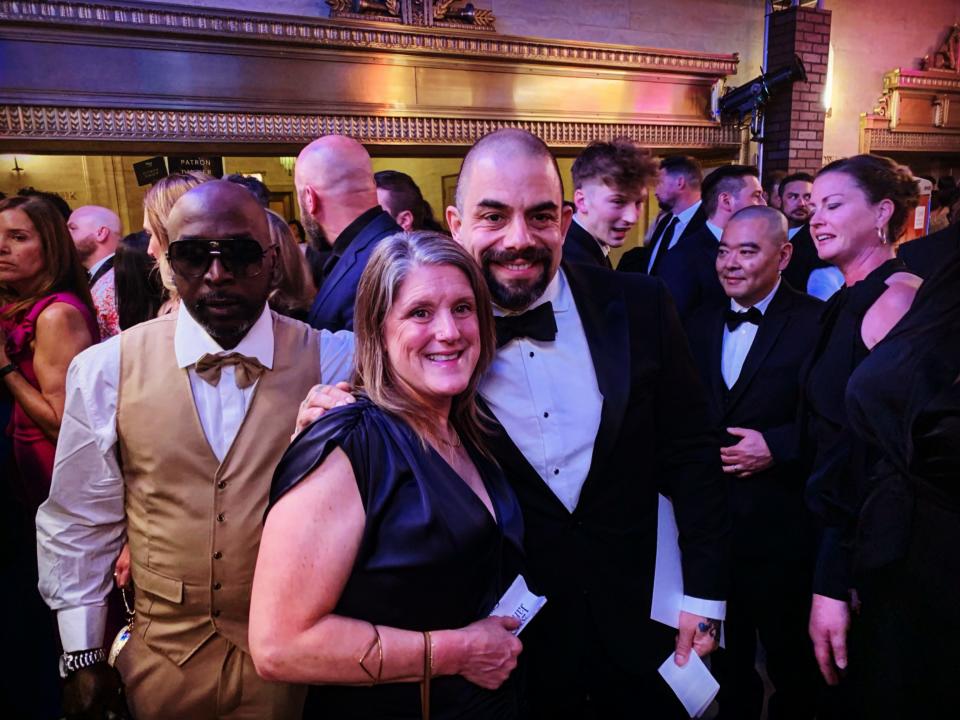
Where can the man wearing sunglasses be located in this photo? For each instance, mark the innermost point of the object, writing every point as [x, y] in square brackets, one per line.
[170, 435]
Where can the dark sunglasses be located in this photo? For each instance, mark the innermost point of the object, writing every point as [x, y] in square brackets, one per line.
[241, 257]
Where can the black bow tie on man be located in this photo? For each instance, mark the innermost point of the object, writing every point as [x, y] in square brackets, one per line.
[536, 324]
[735, 319]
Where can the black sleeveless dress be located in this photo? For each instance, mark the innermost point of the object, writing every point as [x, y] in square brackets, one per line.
[431, 557]
[904, 402]
[841, 461]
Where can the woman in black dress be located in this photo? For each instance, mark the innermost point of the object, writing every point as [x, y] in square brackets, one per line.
[904, 401]
[861, 206]
[391, 533]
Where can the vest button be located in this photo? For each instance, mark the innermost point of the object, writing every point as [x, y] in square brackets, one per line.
[217, 586]
[222, 484]
[217, 555]
[220, 517]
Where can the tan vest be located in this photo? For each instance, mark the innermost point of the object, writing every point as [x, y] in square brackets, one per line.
[194, 523]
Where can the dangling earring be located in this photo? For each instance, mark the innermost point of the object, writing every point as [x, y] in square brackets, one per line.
[882, 234]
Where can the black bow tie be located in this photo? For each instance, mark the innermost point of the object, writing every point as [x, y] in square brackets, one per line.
[536, 324]
[735, 319]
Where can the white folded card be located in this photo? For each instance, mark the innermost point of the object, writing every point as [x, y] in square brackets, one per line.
[518, 602]
[693, 684]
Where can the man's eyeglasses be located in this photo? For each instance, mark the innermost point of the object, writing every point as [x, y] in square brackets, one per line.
[241, 257]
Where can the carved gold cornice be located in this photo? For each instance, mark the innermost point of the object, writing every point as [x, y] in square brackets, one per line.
[109, 124]
[355, 34]
[885, 140]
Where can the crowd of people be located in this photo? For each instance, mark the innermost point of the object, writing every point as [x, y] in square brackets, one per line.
[472, 406]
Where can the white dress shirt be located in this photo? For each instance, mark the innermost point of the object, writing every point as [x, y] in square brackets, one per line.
[82, 525]
[546, 396]
[715, 229]
[96, 266]
[824, 282]
[737, 343]
[683, 219]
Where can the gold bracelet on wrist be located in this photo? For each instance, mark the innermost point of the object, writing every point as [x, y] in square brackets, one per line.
[427, 672]
[378, 643]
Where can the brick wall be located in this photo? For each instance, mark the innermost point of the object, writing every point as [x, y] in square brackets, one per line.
[795, 117]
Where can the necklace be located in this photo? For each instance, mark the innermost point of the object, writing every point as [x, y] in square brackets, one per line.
[456, 441]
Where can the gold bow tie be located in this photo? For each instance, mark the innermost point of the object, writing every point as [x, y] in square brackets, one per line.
[248, 370]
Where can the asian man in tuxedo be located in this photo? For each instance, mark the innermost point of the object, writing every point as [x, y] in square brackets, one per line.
[749, 351]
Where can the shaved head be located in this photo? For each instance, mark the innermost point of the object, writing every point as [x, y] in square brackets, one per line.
[334, 181]
[501, 146]
[771, 223]
[96, 231]
[213, 202]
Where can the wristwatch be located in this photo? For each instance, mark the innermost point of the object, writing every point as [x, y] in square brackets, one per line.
[70, 662]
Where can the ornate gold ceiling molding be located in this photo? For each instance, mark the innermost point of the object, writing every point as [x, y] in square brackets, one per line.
[357, 34]
[884, 140]
[109, 124]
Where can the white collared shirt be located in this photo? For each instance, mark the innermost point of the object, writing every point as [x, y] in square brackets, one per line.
[737, 343]
[683, 219]
[545, 394]
[715, 229]
[81, 526]
[793, 231]
[96, 266]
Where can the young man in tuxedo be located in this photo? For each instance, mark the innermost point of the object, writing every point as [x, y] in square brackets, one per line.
[338, 199]
[749, 351]
[599, 409]
[609, 180]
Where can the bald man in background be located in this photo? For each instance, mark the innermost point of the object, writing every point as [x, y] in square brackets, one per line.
[338, 199]
[96, 232]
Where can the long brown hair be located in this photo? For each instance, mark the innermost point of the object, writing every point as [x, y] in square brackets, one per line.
[62, 269]
[389, 265]
[294, 292]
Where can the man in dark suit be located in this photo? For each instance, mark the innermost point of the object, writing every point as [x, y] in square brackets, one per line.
[749, 351]
[924, 256]
[806, 271]
[679, 255]
[338, 199]
[609, 180]
[599, 409]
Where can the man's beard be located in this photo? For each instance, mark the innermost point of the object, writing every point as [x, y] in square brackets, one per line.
[85, 248]
[316, 237]
[516, 296]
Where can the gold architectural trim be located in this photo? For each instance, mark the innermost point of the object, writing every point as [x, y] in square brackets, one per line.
[19, 122]
[924, 80]
[881, 139]
[348, 34]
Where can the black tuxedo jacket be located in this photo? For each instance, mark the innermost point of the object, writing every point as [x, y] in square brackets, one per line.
[596, 564]
[924, 256]
[767, 509]
[579, 246]
[804, 259]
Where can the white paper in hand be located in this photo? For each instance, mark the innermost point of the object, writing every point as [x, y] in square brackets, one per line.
[518, 602]
[693, 684]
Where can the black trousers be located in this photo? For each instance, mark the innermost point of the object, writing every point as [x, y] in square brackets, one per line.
[570, 675]
[769, 600]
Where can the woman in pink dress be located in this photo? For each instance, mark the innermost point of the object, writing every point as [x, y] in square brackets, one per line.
[46, 318]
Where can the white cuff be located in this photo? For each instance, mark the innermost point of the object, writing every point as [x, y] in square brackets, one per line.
[713, 609]
[82, 628]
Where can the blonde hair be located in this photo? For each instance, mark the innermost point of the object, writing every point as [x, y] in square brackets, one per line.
[389, 265]
[157, 204]
[294, 291]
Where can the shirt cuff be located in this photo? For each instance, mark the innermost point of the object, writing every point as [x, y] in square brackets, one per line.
[713, 609]
[82, 628]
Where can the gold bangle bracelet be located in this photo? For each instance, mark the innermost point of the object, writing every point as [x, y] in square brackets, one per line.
[363, 658]
[427, 672]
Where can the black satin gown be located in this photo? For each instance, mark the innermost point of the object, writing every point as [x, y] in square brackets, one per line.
[841, 461]
[904, 401]
[432, 557]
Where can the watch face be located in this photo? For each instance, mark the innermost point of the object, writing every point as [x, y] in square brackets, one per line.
[63, 666]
